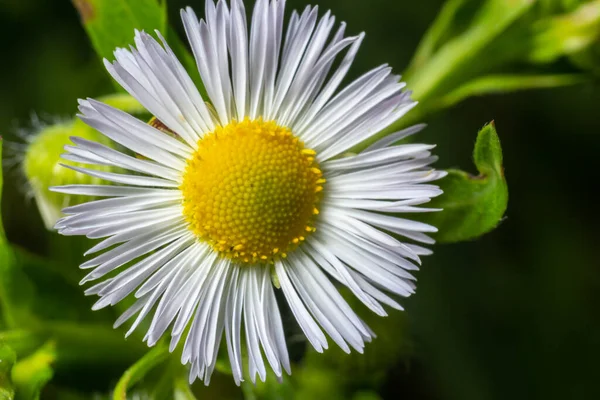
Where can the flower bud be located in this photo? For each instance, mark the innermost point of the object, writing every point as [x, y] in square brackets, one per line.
[42, 167]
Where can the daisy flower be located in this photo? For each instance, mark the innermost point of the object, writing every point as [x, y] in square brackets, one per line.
[251, 189]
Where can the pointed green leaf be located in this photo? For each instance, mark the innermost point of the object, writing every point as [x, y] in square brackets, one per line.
[473, 205]
[111, 23]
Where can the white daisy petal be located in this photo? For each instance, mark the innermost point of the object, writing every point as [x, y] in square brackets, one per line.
[133, 180]
[311, 330]
[128, 203]
[325, 95]
[107, 190]
[238, 50]
[114, 217]
[233, 323]
[81, 156]
[197, 33]
[248, 189]
[124, 161]
[158, 103]
[295, 44]
[396, 137]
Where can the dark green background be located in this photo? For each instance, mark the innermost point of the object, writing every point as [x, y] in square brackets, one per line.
[513, 315]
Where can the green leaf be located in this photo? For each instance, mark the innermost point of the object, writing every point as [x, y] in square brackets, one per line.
[31, 374]
[111, 23]
[138, 370]
[7, 361]
[472, 205]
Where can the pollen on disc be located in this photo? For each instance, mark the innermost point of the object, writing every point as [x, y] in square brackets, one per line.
[251, 190]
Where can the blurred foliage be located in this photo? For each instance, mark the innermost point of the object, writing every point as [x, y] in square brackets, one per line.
[476, 47]
[566, 34]
[7, 361]
[32, 373]
[511, 316]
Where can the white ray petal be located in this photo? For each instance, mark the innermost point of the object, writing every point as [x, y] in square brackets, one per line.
[115, 258]
[107, 190]
[233, 323]
[392, 138]
[133, 180]
[238, 50]
[307, 324]
[377, 157]
[125, 125]
[127, 203]
[295, 44]
[131, 232]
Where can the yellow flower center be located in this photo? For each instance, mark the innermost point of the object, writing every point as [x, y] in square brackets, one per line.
[251, 190]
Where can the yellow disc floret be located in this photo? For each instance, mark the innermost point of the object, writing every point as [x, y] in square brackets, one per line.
[251, 190]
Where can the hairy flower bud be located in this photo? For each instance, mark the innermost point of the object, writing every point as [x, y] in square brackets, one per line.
[42, 167]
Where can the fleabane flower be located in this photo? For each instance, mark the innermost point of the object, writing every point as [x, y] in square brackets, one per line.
[251, 188]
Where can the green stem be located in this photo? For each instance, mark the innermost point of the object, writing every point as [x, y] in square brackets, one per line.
[138, 370]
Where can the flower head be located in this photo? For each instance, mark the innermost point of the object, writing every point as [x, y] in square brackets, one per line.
[253, 181]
